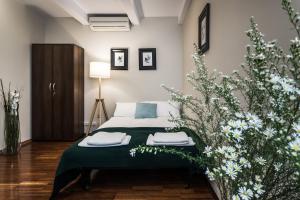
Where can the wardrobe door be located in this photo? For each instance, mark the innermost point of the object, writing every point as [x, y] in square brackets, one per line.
[63, 92]
[41, 92]
[78, 92]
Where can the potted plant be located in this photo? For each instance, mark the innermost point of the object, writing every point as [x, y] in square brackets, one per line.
[10, 102]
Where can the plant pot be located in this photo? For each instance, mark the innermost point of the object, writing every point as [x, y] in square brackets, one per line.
[12, 137]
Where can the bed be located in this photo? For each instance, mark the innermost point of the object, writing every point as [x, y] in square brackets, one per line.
[77, 160]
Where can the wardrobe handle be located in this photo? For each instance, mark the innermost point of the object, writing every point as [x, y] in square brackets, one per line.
[53, 88]
[50, 84]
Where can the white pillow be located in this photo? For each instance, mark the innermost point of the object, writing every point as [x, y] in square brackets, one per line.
[125, 109]
[164, 108]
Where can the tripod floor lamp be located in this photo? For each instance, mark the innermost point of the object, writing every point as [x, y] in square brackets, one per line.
[98, 70]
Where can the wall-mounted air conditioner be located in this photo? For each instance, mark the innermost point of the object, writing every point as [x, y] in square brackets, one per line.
[109, 23]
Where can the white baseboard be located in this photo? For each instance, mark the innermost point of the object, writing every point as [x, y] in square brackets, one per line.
[86, 126]
[87, 123]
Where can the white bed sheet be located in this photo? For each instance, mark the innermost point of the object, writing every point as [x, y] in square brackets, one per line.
[128, 122]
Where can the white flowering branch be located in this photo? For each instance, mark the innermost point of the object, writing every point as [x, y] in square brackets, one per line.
[168, 150]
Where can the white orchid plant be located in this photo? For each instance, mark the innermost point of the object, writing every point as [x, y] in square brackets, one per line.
[10, 101]
[249, 120]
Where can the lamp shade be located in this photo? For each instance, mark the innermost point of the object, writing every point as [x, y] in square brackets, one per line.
[99, 70]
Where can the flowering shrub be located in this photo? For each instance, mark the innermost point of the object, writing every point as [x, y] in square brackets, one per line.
[249, 120]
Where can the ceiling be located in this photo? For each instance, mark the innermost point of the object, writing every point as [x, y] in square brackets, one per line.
[161, 8]
[135, 9]
[100, 6]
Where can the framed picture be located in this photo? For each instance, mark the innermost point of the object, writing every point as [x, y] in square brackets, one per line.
[119, 59]
[147, 59]
[203, 26]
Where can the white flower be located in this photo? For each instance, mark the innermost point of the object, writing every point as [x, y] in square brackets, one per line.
[241, 124]
[14, 106]
[221, 150]
[260, 160]
[257, 178]
[17, 94]
[237, 167]
[132, 152]
[276, 87]
[208, 151]
[292, 97]
[296, 127]
[279, 151]
[245, 193]
[214, 99]
[235, 197]
[269, 132]
[237, 134]
[271, 116]
[254, 120]
[245, 163]
[224, 108]
[230, 149]
[232, 123]
[258, 188]
[231, 173]
[260, 56]
[226, 129]
[287, 87]
[286, 84]
[295, 145]
[231, 155]
[296, 41]
[270, 45]
[239, 115]
[275, 79]
[277, 166]
[210, 175]
[231, 169]
[12, 94]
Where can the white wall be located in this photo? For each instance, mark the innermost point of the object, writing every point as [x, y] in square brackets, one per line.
[19, 27]
[229, 21]
[164, 34]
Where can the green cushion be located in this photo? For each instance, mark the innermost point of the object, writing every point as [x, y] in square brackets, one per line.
[145, 110]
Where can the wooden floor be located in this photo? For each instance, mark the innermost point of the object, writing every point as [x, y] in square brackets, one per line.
[30, 176]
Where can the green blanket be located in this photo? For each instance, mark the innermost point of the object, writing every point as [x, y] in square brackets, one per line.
[75, 158]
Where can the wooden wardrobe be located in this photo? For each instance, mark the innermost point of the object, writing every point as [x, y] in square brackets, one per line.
[57, 92]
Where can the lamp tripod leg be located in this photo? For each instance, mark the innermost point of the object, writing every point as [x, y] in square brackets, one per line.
[92, 116]
[99, 111]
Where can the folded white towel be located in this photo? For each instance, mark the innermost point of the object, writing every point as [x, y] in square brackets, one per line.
[106, 138]
[150, 142]
[176, 137]
[84, 143]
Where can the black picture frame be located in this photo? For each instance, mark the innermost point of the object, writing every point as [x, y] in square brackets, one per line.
[203, 29]
[122, 64]
[151, 55]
